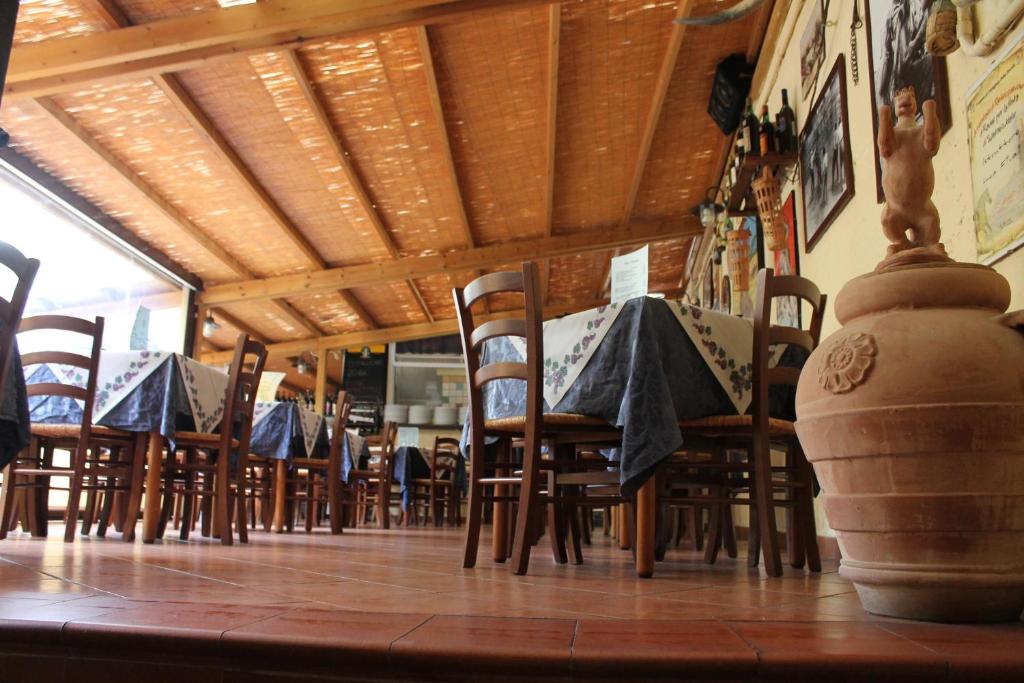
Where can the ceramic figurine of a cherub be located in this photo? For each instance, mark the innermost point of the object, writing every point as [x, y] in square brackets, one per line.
[908, 179]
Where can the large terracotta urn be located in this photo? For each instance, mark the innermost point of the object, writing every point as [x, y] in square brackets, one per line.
[913, 418]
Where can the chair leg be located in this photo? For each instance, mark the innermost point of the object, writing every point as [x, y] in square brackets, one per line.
[88, 513]
[765, 506]
[805, 514]
[556, 524]
[134, 500]
[501, 509]
[222, 500]
[714, 539]
[75, 492]
[41, 496]
[167, 503]
[474, 513]
[241, 487]
[585, 516]
[7, 496]
[571, 514]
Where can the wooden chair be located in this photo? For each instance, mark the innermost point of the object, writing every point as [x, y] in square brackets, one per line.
[755, 481]
[371, 488]
[96, 464]
[11, 310]
[207, 469]
[561, 431]
[439, 492]
[318, 480]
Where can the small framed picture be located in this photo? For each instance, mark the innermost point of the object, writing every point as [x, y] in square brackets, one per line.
[826, 166]
[897, 58]
[812, 49]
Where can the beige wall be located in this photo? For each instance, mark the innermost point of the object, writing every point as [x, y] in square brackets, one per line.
[854, 243]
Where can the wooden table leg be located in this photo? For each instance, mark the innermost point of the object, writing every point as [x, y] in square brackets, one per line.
[645, 514]
[154, 463]
[500, 511]
[280, 492]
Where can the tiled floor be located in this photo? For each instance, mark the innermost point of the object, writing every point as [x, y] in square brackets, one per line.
[397, 604]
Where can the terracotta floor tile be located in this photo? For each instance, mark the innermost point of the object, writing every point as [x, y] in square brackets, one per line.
[643, 647]
[824, 649]
[974, 652]
[107, 670]
[330, 634]
[490, 642]
[737, 596]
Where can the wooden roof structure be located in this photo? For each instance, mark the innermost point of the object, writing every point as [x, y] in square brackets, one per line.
[329, 169]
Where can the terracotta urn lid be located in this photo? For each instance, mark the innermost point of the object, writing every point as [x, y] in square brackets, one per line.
[925, 285]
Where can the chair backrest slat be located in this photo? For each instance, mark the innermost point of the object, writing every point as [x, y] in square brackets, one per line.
[53, 321]
[492, 283]
[507, 327]
[56, 389]
[493, 371]
[443, 446]
[76, 360]
[770, 287]
[24, 270]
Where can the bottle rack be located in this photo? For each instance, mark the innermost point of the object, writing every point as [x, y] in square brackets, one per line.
[745, 176]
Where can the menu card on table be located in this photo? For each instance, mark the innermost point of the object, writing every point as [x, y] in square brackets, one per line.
[629, 275]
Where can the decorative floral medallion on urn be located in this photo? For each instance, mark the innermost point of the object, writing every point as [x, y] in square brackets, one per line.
[913, 413]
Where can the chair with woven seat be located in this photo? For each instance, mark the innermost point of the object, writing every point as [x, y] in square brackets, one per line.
[705, 466]
[370, 487]
[439, 492]
[560, 431]
[95, 463]
[215, 466]
[317, 481]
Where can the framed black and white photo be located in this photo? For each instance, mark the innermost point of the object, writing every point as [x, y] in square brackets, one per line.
[826, 166]
[897, 58]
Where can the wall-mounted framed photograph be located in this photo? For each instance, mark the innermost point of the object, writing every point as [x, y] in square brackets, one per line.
[786, 262]
[826, 165]
[812, 49]
[897, 58]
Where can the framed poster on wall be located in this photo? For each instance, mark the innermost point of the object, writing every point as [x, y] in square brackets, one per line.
[826, 165]
[995, 139]
[786, 263]
[743, 300]
[897, 58]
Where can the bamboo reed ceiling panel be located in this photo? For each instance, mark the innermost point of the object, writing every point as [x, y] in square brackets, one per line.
[299, 166]
[264, 317]
[437, 292]
[666, 263]
[573, 277]
[138, 124]
[46, 19]
[682, 163]
[492, 78]
[329, 312]
[53, 148]
[391, 304]
[375, 91]
[608, 65]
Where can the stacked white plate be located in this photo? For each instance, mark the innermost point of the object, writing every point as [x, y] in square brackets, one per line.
[396, 412]
[419, 415]
[445, 415]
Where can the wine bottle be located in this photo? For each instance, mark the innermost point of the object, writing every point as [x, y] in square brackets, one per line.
[786, 127]
[750, 131]
[766, 137]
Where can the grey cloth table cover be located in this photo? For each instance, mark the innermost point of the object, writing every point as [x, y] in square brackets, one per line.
[15, 423]
[645, 377]
[411, 463]
[279, 435]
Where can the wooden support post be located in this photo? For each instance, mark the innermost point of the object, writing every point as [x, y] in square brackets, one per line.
[320, 389]
[280, 493]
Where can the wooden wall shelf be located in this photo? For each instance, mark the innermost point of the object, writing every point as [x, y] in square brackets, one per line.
[745, 177]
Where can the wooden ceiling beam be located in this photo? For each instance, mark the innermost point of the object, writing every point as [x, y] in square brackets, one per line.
[550, 116]
[387, 335]
[169, 211]
[355, 180]
[668, 67]
[53, 66]
[492, 256]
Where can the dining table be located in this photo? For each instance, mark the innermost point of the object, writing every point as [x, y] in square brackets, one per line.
[643, 365]
[156, 393]
[413, 462]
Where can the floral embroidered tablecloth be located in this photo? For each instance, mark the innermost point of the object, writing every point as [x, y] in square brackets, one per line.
[644, 375]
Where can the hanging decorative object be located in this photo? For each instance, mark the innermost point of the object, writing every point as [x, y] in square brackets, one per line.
[855, 24]
[940, 32]
[738, 251]
[769, 208]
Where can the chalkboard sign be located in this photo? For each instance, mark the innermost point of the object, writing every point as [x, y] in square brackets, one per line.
[366, 382]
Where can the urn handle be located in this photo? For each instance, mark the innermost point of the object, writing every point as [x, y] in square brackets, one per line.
[1013, 319]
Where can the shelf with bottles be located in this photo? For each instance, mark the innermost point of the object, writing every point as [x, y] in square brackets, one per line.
[759, 143]
[741, 202]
